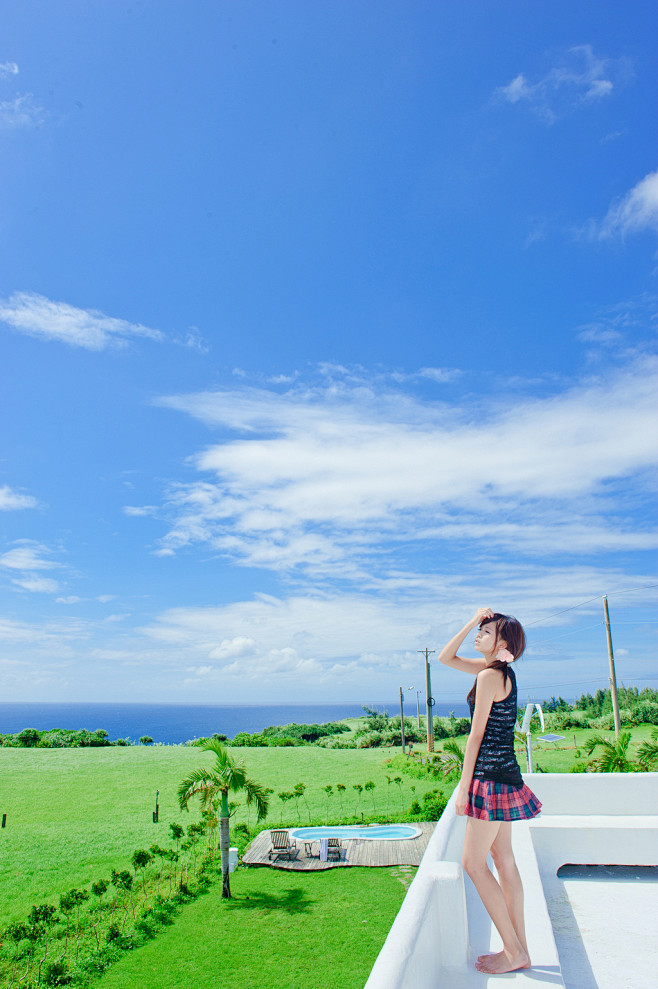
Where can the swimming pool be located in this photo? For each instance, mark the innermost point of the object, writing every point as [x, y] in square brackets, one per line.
[367, 832]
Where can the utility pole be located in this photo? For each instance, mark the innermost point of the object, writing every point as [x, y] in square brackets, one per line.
[613, 678]
[402, 717]
[430, 700]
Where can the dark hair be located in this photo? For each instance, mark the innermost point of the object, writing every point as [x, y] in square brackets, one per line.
[511, 631]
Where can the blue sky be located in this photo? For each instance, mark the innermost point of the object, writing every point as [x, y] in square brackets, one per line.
[322, 325]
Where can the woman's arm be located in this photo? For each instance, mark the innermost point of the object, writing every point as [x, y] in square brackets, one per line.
[487, 683]
[448, 655]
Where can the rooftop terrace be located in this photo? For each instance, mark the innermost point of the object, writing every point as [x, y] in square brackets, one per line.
[586, 930]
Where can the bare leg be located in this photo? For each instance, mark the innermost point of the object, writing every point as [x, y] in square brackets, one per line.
[510, 883]
[480, 837]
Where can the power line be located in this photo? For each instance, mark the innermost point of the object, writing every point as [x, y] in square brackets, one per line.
[628, 590]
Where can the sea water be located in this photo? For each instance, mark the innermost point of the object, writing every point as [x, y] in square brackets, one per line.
[176, 723]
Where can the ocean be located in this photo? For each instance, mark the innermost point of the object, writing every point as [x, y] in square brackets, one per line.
[175, 723]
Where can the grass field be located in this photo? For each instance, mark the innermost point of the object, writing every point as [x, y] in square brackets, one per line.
[281, 930]
[74, 814]
[559, 757]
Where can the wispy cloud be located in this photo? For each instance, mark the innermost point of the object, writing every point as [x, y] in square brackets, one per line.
[28, 556]
[24, 562]
[580, 78]
[27, 312]
[21, 111]
[342, 481]
[12, 500]
[8, 69]
[38, 585]
[616, 326]
[636, 211]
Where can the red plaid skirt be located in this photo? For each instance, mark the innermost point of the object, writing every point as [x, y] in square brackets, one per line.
[490, 801]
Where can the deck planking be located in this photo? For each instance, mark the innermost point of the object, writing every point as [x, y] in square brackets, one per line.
[355, 851]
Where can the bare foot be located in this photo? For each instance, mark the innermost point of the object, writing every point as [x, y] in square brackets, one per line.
[491, 954]
[502, 962]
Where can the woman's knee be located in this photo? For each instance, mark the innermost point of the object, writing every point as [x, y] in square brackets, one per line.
[471, 864]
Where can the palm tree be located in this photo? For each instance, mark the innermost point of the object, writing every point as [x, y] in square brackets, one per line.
[648, 752]
[614, 757]
[224, 777]
[453, 761]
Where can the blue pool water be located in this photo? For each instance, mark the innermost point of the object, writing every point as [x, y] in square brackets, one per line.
[369, 832]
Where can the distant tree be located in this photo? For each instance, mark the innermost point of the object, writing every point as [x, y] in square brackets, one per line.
[284, 797]
[359, 790]
[329, 790]
[146, 740]
[340, 790]
[370, 788]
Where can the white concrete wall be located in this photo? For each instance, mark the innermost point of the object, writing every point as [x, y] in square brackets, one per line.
[607, 816]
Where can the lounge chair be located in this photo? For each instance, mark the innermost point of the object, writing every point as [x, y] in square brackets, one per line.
[333, 848]
[282, 845]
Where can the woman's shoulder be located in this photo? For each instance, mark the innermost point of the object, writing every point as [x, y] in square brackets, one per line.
[490, 677]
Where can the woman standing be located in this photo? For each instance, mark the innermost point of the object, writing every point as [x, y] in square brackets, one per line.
[491, 792]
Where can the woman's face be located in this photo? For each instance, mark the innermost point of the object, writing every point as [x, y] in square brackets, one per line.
[485, 638]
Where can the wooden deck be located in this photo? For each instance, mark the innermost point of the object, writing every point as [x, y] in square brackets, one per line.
[356, 851]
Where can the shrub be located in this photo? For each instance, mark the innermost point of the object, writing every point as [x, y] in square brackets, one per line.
[440, 728]
[434, 803]
[371, 740]
[607, 721]
[646, 713]
[29, 737]
[56, 974]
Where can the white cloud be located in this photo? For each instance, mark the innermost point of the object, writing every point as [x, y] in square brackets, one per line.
[138, 510]
[325, 641]
[8, 69]
[41, 585]
[28, 556]
[580, 78]
[241, 645]
[12, 500]
[634, 212]
[27, 312]
[71, 599]
[21, 111]
[339, 480]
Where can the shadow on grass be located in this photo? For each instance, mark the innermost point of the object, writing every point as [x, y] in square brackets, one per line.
[288, 900]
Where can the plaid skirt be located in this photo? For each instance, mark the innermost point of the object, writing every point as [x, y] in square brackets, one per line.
[490, 801]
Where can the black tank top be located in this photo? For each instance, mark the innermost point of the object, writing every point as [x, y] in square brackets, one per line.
[496, 759]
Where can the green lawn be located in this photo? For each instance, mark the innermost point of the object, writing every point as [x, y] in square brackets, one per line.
[74, 814]
[559, 757]
[281, 930]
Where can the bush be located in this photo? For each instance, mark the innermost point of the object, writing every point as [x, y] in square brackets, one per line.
[434, 803]
[607, 721]
[29, 737]
[646, 713]
[371, 740]
[440, 728]
[56, 974]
